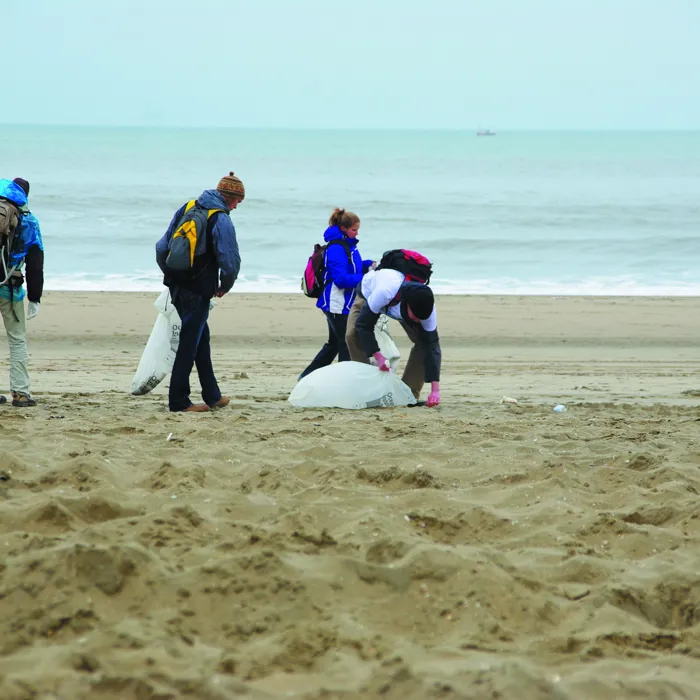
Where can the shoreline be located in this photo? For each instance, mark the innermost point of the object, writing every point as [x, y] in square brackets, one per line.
[293, 290]
[235, 292]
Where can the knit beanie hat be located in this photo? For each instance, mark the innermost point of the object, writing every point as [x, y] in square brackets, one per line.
[420, 300]
[23, 184]
[232, 186]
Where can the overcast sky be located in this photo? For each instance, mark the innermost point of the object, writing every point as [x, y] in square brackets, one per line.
[505, 64]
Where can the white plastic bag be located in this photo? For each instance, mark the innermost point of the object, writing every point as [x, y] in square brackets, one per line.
[386, 343]
[350, 385]
[159, 355]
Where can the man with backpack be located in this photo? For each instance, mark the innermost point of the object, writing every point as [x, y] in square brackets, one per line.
[199, 257]
[20, 247]
[399, 288]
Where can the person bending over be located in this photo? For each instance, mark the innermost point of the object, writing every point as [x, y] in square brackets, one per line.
[412, 304]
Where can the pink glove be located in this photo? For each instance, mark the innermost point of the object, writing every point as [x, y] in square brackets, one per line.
[433, 398]
[382, 362]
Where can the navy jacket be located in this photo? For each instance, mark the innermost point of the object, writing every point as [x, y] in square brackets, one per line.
[222, 261]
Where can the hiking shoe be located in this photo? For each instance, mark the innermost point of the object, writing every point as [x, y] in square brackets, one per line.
[221, 403]
[22, 400]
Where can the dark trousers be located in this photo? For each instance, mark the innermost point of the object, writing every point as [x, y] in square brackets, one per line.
[194, 349]
[414, 372]
[337, 326]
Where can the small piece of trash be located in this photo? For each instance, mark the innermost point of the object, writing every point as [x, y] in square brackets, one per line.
[509, 399]
[170, 437]
[407, 519]
[559, 408]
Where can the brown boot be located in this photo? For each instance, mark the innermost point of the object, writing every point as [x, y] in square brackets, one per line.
[221, 403]
[196, 408]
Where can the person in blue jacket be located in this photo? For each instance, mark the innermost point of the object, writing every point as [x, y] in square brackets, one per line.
[213, 273]
[344, 268]
[25, 259]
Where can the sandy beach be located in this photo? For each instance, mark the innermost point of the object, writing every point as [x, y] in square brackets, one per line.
[478, 550]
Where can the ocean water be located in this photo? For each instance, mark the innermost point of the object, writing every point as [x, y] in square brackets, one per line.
[600, 213]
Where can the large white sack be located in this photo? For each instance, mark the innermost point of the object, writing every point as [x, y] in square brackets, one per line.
[159, 355]
[386, 343]
[350, 385]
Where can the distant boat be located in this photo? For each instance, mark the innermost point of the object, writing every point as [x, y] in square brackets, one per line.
[485, 132]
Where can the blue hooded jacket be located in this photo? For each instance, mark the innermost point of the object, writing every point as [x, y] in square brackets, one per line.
[343, 273]
[24, 246]
[12, 191]
[30, 235]
[224, 263]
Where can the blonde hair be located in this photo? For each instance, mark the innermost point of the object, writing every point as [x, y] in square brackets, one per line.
[343, 219]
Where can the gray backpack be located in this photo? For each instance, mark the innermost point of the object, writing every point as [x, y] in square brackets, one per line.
[189, 240]
[9, 222]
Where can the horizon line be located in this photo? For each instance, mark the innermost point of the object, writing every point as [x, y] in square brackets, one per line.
[349, 128]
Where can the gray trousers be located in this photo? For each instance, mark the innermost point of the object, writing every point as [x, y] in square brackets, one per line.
[16, 329]
[414, 372]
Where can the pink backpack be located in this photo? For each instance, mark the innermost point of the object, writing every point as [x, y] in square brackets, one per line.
[312, 281]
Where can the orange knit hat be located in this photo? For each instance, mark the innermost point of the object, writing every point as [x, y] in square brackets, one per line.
[232, 186]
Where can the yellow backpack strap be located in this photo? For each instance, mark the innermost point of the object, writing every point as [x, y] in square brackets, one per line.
[211, 212]
[188, 206]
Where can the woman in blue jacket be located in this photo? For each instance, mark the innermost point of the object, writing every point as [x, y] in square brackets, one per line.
[344, 269]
